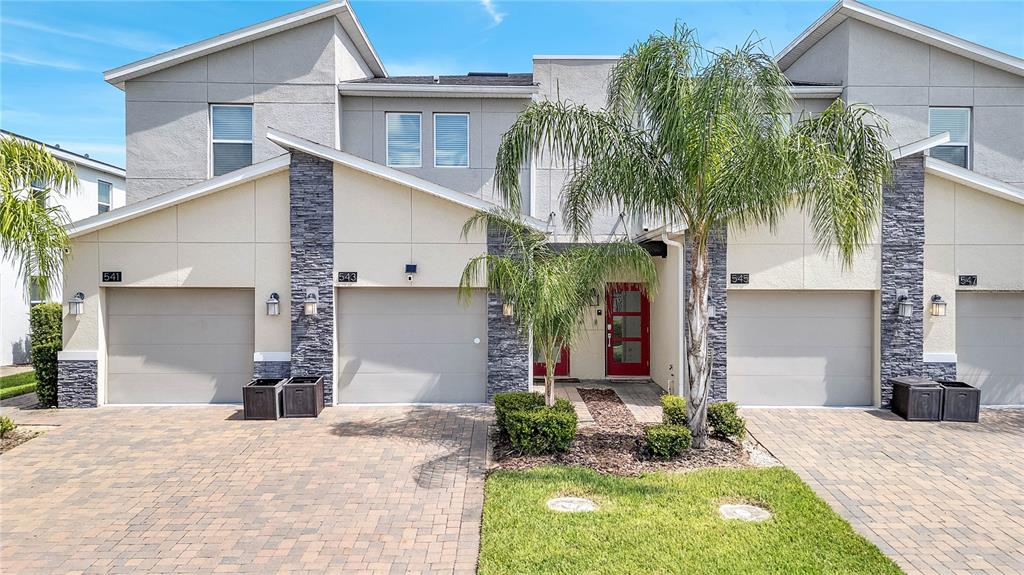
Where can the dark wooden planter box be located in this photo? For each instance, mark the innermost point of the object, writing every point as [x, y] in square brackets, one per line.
[261, 398]
[303, 396]
[916, 399]
[960, 402]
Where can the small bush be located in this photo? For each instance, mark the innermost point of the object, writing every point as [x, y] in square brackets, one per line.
[45, 322]
[724, 420]
[673, 410]
[6, 426]
[44, 360]
[666, 441]
[504, 403]
[542, 429]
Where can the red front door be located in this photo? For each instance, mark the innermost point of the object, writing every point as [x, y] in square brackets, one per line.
[628, 330]
[561, 368]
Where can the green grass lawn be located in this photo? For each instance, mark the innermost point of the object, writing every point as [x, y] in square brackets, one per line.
[662, 523]
[17, 384]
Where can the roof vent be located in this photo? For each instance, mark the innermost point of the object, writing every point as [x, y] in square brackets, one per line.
[489, 74]
[86, 155]
[56, 146]
[437, 79]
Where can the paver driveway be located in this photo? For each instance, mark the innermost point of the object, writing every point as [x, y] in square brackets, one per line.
[196, 489]
[937, 497]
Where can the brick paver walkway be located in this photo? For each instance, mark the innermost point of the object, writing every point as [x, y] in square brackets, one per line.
[937, 497]
[198, 490]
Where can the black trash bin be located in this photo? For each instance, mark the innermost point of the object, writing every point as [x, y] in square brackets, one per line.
[916, 398]
[960, 402]
[303, 396]
[261, 398]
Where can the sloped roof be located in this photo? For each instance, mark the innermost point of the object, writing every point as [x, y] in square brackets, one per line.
[844, 9]
[72, 157]
[471, 79]
[339, 9]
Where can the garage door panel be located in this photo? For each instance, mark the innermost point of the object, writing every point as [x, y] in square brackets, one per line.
[990, 345]
[176, 388]
[430, 357]
[776, 360]
[162, 329]
[178, 358]
[754, 303]
[408, 302]
[410, 329]
[792, 390]
[989, 331]
[179, 301]
[411, 388]
[801, 331]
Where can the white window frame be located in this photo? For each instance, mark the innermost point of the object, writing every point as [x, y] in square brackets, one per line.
[252, 130]
[32, 291]
[468, 146]
[387, 144]
[970, 131]
[110, 198]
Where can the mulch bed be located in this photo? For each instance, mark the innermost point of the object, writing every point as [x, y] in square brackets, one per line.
[614, 445]
[16, 438]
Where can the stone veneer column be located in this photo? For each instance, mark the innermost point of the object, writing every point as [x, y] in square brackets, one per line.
[508, 356]
[76, 383]
[717, 332]
[311, 183]
[902, 338]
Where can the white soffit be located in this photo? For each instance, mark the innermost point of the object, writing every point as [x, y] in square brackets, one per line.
[919, 146]
[844, 9]
[336, 8]
[181, 195]
[292, 142]
[434, 90]
[973, 180]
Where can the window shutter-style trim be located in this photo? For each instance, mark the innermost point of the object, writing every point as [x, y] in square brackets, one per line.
[403, 139]
[451, 140]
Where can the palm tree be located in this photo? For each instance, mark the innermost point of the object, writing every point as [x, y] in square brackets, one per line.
[701, 140]
[548, 290]
[31, 232]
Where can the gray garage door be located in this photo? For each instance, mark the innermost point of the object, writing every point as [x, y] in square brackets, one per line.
[990, 345]
[808, 348]
[412, 345]
[178, 345]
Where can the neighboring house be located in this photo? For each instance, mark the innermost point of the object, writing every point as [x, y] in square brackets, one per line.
[294, 210]
[100, 189]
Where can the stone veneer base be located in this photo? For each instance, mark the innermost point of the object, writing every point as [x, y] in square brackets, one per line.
[77, 383]
[267, 369]
[508, 356]
[717, 326]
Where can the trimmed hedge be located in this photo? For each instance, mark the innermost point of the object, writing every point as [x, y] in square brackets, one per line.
[666, 441]
[536, 429]
[510, 401]
[673, 410]
[45, 320]
[722, 417]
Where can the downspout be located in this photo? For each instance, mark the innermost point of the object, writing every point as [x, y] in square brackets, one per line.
[677, 384]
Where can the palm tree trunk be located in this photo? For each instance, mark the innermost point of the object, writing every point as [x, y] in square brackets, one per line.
[698, 357]
[549, 376]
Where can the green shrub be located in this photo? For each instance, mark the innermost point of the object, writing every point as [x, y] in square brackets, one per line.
[45, 322]
[44, 360]
[673, 410]
[542, 429]
[514, 401]
[6, 426]
[724, 420]
[666, 441]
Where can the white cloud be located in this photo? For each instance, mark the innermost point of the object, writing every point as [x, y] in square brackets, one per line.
[29, 60]
[139, 42]
[492, 11]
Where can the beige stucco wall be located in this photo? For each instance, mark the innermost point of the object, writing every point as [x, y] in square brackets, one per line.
[667, 312]
[380, 226]
[971, 232]
[587, 353]
[789, 258]
[237, 238]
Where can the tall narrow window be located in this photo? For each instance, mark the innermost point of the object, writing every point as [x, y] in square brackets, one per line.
[451, 140]
[956, 121]
[102, 196]
[37, 290]
[232, 137]
[403, 140]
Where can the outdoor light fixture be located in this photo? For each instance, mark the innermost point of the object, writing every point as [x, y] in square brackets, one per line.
[310, 301]
[76, 304]
[906, 309]
[274, 304]
[507, 309]
[410, 271]
[938, 306]
[712, 310]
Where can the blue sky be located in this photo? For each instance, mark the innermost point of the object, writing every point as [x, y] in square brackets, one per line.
[52, 54]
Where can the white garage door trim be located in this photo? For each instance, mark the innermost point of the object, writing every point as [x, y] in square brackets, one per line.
[801, 348]
[178, 345]
[410, 345]
[990, 344]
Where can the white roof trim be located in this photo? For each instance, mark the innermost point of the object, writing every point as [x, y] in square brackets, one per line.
[337, 8]
[816, 91]
[844, 9]
[72, 157]
[575, 57]
[166, 200]
[973, 180]
[436, 90]
[292, 142]
[919, 146]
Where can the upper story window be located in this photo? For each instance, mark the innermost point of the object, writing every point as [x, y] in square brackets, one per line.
[956, 121]
[451, 140]
[103, 196]
[36, 290]
[232, 137]
[403, 139]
